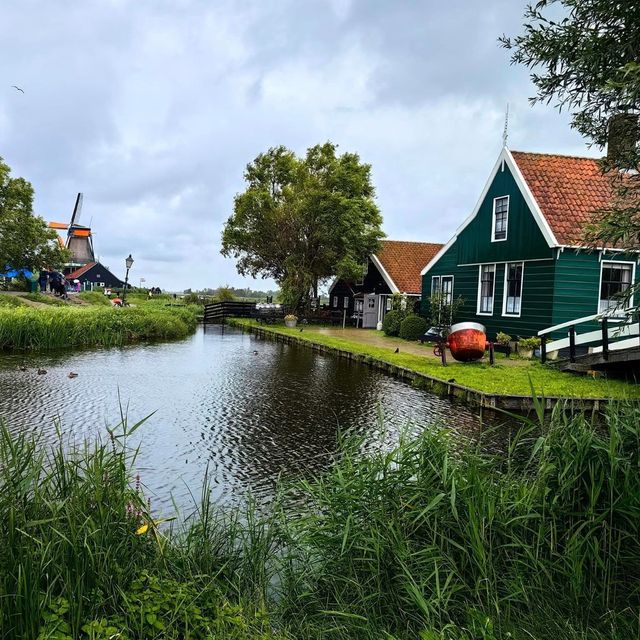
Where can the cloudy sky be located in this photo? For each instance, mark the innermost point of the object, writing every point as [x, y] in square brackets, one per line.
[152, 108]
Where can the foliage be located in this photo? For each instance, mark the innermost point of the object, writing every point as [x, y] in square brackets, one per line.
[529, 343]
[42, 299]
[391, 322]
[192, 298]
[302, 220]
[57, 327]
[11, 301]
[434, 539]
[503, 338]
[587, 62]
[225, 294]
[25, 241]
[441, 311]
[291, 316]
[505, 377]
[412, 327]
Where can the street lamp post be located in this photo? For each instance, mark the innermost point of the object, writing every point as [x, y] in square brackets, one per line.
[129, 263]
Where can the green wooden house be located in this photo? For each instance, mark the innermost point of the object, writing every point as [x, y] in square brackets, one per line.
[518, 260]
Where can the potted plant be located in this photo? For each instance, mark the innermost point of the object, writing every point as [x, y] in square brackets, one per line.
[503, 343]
[526, 346]
[290, 321]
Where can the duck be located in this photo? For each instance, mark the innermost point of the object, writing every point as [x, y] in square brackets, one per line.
[41, 372]
[72, 375]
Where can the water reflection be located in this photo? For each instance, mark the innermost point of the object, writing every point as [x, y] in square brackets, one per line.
[249, 409]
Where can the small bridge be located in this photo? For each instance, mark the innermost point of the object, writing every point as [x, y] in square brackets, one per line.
[616, 343]
[218, 311]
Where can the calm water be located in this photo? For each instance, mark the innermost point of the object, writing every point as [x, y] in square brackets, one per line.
[249, 409]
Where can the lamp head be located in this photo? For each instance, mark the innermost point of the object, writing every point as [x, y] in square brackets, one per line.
[129, 262]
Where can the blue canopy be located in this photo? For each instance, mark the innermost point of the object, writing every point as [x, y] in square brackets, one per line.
[13, 273]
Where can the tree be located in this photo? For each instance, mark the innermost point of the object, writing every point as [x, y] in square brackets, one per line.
[303, 220]
[587, 61]
[25, 239]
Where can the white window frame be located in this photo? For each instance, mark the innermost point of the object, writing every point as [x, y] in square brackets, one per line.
[434, 280]
[452, 286]
[504, 292]
[631, 284]
[345, 302]
[493, 293]
[335, 301]
[493, 219]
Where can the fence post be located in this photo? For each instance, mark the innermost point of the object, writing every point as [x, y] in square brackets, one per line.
[572, 344]
[491, 353]
[605, 338]
[543, 349]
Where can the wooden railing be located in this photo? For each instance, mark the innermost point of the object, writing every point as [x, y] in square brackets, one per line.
[218, 311]
[616, 332]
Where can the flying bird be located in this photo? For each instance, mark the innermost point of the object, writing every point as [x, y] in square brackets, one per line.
[17, 88]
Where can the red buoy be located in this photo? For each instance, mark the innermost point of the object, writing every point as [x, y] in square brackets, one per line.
[467, 341]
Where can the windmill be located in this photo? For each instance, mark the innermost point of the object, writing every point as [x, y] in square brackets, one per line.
[79, 240]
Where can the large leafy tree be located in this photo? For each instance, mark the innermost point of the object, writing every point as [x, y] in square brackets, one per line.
[25, 239]
[303, 220]
[585, 57]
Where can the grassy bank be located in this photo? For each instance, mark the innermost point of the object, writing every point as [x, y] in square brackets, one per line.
[55, 327]
[509, 377]
[429, 541]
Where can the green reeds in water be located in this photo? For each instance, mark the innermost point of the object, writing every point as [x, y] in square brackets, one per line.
[431, 540]
[53, 328]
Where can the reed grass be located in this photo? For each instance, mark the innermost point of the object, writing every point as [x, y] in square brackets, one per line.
[433, 540]
[28, 328]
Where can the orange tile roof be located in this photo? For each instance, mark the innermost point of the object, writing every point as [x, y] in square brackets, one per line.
[81, 271]
[404, 261]
[568, 191]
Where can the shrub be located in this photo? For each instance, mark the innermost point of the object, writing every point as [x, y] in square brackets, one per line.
[391, 323]
[503, 338]
[529, 343]
[192, 298]
[412, 327]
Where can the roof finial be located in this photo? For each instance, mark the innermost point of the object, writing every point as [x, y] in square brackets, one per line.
[505, 133]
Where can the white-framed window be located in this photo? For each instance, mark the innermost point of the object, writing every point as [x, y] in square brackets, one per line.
[615, 280]
[500, 222]
[435, 285]
[446, 289]
[358, 305]
[335, 302]
[486, 289]
[512, 298]
[345, 302]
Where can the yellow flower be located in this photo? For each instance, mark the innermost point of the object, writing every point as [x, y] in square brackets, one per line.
[142, 530]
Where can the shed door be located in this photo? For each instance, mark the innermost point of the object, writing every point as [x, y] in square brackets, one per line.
[370, 315]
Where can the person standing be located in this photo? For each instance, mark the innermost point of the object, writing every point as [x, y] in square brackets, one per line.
[43, 280]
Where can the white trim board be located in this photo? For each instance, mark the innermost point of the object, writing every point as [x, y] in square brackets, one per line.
[506, 157]
[383, 272]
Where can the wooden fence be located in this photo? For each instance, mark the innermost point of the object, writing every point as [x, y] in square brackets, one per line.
[218, 311]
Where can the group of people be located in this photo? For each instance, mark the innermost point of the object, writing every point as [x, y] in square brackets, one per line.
[57, 283]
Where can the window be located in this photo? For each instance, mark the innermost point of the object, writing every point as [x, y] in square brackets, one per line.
[513, 272]
[435, 285]
[486, 289]
[358, 305]
[446, 284]
[615, 280]
[345, 302]
[500, 218]
[335, 301]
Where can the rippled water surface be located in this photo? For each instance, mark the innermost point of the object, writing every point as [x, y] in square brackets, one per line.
[249, 409]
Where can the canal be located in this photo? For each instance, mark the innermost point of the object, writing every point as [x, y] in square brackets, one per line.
[249, 410]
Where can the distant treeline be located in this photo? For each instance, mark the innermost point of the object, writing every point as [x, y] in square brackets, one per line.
[236, 293]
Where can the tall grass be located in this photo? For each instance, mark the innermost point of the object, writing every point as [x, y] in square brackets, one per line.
[432, 540]
[52, 328]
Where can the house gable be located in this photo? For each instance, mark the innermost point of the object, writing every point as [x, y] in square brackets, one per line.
[528, 234]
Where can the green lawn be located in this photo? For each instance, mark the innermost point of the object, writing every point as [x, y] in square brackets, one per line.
[508, 377]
